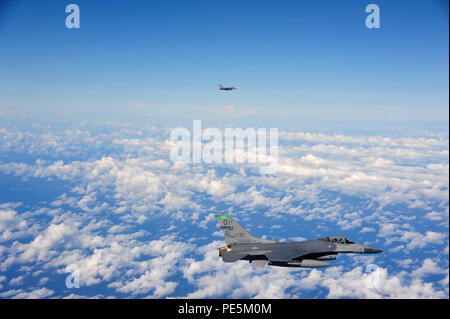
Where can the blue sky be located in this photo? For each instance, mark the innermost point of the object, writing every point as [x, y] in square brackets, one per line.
[292, 61]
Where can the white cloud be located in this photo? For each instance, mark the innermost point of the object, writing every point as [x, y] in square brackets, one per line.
[130, 182]
[17, 281]
[367, 230]
[33, 294]
[377, 284]
[428, 267]
[417, 240]
[40, 248]
[433, 216]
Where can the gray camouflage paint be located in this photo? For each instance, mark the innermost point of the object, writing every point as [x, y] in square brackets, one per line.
[241, 245]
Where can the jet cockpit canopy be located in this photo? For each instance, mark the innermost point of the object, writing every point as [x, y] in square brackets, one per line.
[338, 240]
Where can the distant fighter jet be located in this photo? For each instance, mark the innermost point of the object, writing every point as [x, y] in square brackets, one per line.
[240, 245]
[226, 89]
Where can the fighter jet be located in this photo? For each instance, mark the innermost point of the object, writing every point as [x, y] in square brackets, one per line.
[241, 245]
[226, 88]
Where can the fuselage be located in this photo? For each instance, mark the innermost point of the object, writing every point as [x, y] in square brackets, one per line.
[308, 253]
[241, 245]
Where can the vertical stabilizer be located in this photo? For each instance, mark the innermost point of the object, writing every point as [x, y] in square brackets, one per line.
[235, 233]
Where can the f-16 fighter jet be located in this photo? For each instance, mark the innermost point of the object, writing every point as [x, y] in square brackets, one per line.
[240, 245]
[226, 88]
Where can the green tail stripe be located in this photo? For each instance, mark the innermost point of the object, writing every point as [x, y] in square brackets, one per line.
[223, 216]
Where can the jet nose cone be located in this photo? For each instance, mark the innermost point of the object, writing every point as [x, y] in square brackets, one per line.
[369, 250]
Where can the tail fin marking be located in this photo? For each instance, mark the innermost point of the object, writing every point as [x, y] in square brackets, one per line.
[235, 233]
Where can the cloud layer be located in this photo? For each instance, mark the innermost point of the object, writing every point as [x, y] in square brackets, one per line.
[138, 225]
